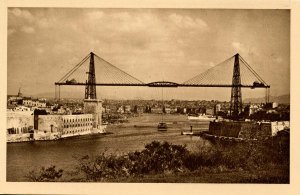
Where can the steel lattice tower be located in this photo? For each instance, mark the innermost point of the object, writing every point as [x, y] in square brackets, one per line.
[236, 105]
[90, 89]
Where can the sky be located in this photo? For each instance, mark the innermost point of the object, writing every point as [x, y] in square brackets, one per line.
[149, 44]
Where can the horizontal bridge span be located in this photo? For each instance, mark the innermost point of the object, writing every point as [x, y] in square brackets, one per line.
[164, 84]
[224, 86]
[105, 84]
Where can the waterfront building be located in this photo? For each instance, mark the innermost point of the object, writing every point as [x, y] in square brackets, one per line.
[57, 126]
[274, 105]
[127, 108]
[217, 108]
[27, 101]
[21, 108]
[77, 124]
[23, 125]
[253, 109]
[210, 111]
[120, 110]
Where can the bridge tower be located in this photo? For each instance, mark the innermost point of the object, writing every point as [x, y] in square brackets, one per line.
[90, 89]
[92, 105]
[236, 105]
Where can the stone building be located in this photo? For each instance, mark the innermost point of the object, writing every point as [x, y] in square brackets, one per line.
[19, 125]
[77, 124]
[64, 125]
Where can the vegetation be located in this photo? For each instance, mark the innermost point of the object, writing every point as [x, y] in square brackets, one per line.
[49, 174]
[250, 162]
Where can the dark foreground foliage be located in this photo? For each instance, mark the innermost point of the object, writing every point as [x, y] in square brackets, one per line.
[49, 174]
[248, 162]
[157, 158]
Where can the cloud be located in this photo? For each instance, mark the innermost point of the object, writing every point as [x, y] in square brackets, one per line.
[27, 29]
[21, 14]
[243, 49]
[237, 46]
[126, 22]
[39, 50]
[43, 23]
[278, 59]
[188, 22]
[95, 15]
[11, 31]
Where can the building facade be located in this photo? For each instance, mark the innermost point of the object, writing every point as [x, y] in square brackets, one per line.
[65, 125]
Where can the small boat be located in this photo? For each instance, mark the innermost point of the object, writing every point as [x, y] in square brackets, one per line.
[162, 126]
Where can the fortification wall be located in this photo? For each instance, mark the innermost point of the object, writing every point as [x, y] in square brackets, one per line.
[50, 123]
[245, 130]
[19, 123]
[223, 128]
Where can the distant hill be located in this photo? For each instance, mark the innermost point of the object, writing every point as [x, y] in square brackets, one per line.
[283, 99]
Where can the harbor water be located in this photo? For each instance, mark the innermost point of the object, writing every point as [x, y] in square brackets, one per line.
[121, 139]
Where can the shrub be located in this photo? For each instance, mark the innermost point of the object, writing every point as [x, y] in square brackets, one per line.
[103, 167]
[158, 157]
[49, 174]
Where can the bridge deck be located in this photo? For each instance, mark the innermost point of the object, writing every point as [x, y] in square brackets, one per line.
[161, 84]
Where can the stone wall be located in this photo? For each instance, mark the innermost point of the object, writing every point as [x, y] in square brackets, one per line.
[245, 130]
[231, 129]
[19, 122]
[50, 123]
[18, 137]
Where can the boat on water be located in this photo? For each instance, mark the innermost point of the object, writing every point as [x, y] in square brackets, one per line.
[202, 117]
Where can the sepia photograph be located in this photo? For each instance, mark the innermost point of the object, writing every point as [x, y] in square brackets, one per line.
[139, 95]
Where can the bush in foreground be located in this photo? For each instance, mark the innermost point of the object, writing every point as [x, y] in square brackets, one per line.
[158, 158]
[163, 158]
[103, 167]
[49, 174]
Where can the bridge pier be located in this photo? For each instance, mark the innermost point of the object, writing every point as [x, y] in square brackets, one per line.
[94, 107]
